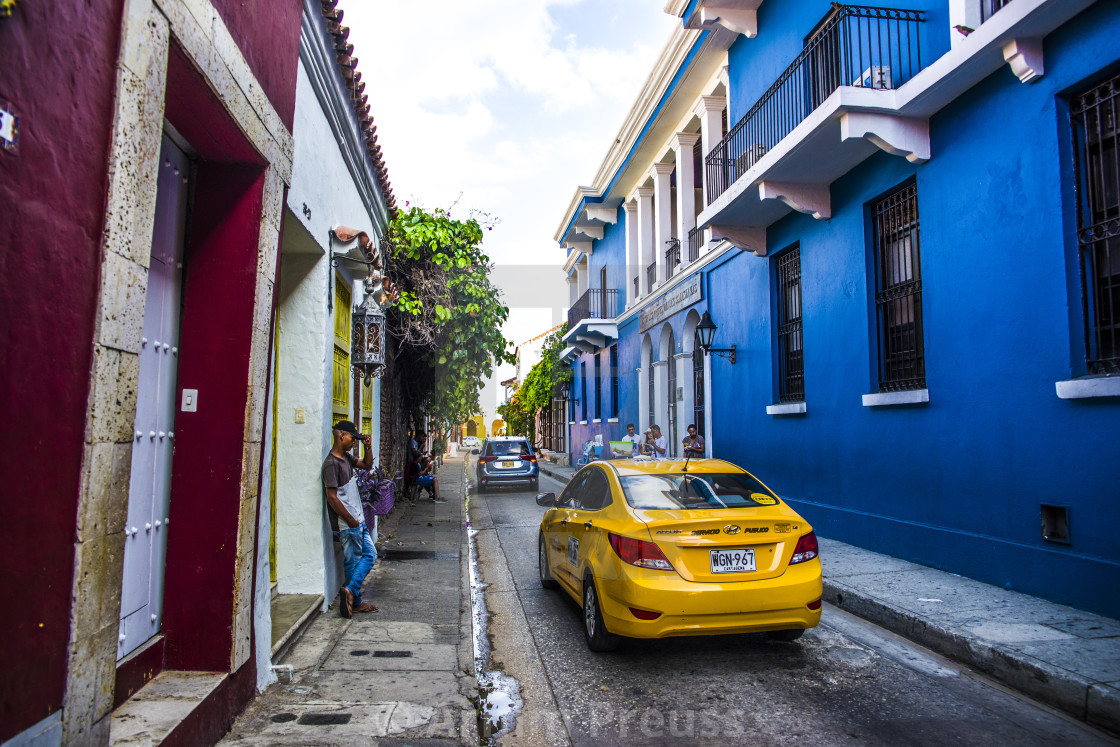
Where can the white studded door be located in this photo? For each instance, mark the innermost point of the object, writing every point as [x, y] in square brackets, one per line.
[153, 439]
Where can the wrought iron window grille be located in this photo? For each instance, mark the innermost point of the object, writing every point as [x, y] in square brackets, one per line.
[1093, 117]
[791, 360]
[898, 291]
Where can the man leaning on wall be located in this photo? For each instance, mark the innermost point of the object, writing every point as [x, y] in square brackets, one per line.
[344, 505]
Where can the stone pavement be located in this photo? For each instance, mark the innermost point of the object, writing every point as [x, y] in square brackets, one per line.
[1061, 656]
[403, 675]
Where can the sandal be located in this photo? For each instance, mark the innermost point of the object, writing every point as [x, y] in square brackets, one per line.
[366, 607]
[345, 604]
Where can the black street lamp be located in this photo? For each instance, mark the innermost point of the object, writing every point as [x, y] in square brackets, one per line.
[706, 331]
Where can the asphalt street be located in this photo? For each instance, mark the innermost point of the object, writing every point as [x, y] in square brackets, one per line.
[845, 682]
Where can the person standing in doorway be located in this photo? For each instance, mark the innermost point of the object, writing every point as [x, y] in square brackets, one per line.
[693, 444]
[344, 506]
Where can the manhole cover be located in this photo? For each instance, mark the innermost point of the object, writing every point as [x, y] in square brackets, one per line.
[324, 719]
[392, 654]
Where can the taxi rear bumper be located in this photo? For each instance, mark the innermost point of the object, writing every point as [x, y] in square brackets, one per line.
[690, 608]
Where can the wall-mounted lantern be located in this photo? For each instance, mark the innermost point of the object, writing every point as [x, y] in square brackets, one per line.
[367, 320]
[706, 331]
[367, 339]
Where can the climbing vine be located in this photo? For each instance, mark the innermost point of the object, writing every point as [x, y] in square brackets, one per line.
[449, 315]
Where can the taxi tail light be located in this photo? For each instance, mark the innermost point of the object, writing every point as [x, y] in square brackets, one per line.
[644, 615]
[487, 458]
[639, 552]
[814, 605]
[806, 549]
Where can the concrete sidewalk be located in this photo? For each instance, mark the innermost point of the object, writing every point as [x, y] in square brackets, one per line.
[1061, 656]
[403, 675]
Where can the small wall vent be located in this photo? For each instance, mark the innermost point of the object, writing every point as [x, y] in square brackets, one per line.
[1055, 524]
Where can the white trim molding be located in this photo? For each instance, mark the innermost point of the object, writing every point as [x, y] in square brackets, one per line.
[1089, 387]
[789, 408]
[891, 399]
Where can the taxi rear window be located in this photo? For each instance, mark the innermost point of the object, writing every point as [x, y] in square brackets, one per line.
[696, 491]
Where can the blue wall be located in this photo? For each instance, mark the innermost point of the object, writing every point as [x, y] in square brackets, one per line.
[955, 483]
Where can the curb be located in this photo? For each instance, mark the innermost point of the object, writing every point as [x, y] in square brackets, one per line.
[1077, 696]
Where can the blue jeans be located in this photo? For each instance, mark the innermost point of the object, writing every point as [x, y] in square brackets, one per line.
[358, 557]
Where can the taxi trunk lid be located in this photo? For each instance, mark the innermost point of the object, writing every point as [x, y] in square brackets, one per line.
[724, 549]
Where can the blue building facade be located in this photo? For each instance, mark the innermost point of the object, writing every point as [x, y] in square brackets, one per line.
[907, 223]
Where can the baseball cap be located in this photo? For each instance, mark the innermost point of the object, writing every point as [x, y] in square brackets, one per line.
[346, 425]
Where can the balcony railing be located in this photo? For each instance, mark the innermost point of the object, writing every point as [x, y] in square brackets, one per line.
[651, 277]
[857, 46]
[695, 239]
[596, 303]
[672, 257]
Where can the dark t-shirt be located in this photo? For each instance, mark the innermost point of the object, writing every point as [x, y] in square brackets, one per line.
[337, 473]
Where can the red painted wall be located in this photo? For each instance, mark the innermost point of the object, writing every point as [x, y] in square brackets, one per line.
[58, 70]
[218, 296]
[268, 35]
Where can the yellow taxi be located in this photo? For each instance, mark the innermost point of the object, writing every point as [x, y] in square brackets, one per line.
[656, 548]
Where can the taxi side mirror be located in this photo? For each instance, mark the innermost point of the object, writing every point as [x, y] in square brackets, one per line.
[546, 499]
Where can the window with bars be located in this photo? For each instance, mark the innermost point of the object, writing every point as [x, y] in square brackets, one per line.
[598, 386]
[340, 387]
[791, 362]
[614, 381]
[583, 390]
[898, 291]
[1093, 115]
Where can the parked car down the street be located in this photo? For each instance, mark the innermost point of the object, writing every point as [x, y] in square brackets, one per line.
[507, 460]
[650, 550]
[471, 442]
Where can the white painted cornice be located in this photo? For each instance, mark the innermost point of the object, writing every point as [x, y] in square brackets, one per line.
[316, 54]
[676, 7]
[670, 60]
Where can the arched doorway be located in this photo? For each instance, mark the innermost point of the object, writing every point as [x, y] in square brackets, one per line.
[498, 428]
[472, 428]
[695, 378]
[647, 367]
[668, 349]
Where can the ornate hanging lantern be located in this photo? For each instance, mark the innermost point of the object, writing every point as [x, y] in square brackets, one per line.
[367, 320]
[367, 339]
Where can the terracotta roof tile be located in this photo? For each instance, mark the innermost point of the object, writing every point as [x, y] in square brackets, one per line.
[348, 66]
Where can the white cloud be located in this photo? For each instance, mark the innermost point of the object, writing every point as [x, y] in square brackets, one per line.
[505, 105]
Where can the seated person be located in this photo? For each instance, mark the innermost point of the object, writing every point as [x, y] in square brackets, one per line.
[419, 472]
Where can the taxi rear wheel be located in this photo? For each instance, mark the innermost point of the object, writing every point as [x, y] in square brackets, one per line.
[594, 631]
[786, 635]
[545, 572]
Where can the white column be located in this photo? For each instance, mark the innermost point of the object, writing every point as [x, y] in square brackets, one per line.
[573, 289]
[633, 253]
[645, 234]
[710, 111]
[581, 277]
[662, 215]
[684, 142]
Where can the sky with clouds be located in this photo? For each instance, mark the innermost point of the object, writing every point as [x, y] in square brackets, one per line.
[504, 107]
